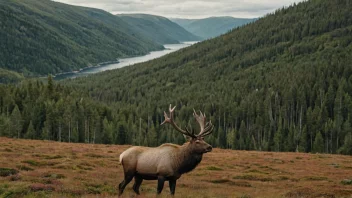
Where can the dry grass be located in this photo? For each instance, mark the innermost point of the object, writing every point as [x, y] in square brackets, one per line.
[52, 169]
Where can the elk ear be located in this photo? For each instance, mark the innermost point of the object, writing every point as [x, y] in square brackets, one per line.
[187, 138]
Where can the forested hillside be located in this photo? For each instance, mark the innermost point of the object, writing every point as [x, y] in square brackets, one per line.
[211, 27]
[7, 76]
[43, 36]
[158, 29]
[282, 83]
[35, 110]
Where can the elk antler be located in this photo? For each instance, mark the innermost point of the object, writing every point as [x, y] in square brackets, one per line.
[170, 120]
[204, 130]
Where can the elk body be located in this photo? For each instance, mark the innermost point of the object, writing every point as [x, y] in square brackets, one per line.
[168, 161]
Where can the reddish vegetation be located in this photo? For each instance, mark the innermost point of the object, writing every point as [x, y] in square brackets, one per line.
[67, 170]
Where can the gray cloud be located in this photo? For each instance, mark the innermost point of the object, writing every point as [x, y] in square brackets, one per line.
[187, 8]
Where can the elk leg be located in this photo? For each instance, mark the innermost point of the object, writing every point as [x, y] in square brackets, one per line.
[124, 183]
[161, 181]
[137, 184]
[172, 184]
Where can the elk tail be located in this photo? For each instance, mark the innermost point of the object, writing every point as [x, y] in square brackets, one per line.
[121, 156]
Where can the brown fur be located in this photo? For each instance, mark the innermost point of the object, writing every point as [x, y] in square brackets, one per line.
[164, 163]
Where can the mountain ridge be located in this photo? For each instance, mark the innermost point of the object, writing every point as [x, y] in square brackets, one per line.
[159, 29]
[212, 26]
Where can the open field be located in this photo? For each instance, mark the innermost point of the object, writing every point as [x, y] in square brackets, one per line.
[52, 169]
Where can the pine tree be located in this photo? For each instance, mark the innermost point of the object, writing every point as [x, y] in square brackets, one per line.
[242, 134]
[290, 140]
[152, 136]
[221, 139]
[50, 86]
[5, 124]
[346, 148]
[278, 137]
[16, 122]
[31, 134]
[346, 128]
[231, 139]
[318, 146]
[302, 147]
[121, 134]
[107, 132]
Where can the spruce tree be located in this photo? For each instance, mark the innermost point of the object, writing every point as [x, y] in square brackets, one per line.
[318, 146]
[242, 134]
[302, 147]
[152, 136]
[221, 139]
[346, 148]
[108, 131]
[121, 134]
[30, 134]
[16, 123]
[5, 128]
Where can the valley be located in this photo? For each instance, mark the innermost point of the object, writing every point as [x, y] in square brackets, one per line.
[47, 37]
[169, 48]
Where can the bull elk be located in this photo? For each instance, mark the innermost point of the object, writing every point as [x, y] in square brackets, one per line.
[168, 161]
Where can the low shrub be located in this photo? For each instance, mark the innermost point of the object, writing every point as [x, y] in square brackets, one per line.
[4, 172]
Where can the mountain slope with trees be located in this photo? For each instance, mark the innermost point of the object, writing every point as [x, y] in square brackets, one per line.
[41, 37]
[157, 28]
[211, 27]
[282, 83]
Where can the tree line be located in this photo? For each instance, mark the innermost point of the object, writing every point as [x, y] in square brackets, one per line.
[36, 110]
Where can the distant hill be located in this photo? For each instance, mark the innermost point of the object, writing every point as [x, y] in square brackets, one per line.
[40, 37]
[158, 29]
[7, 76]
[211, 27]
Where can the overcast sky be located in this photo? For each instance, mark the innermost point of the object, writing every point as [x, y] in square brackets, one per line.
[187, 8]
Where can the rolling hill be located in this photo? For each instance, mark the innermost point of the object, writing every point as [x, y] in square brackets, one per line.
[211, 27]
[157, 28]
[282, 83]
[41, 37]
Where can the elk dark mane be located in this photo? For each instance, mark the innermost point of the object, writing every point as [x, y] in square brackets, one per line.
[189, 163]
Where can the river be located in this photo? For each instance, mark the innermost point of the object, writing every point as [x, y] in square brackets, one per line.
[126, 61]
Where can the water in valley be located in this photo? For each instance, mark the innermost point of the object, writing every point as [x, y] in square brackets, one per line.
[126, 61]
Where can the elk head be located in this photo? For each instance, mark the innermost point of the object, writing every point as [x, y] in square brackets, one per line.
[197, 143]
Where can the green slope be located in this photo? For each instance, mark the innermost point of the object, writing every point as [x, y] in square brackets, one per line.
[211, 27]
[274, 84]
[42, 36]
[158, 29]
[7, 76]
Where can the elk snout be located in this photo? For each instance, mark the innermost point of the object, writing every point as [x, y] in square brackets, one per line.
[209, 148]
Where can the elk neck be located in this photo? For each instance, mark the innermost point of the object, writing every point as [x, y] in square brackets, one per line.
[188, 159]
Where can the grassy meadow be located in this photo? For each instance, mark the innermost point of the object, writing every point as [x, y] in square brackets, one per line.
[34, 168]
